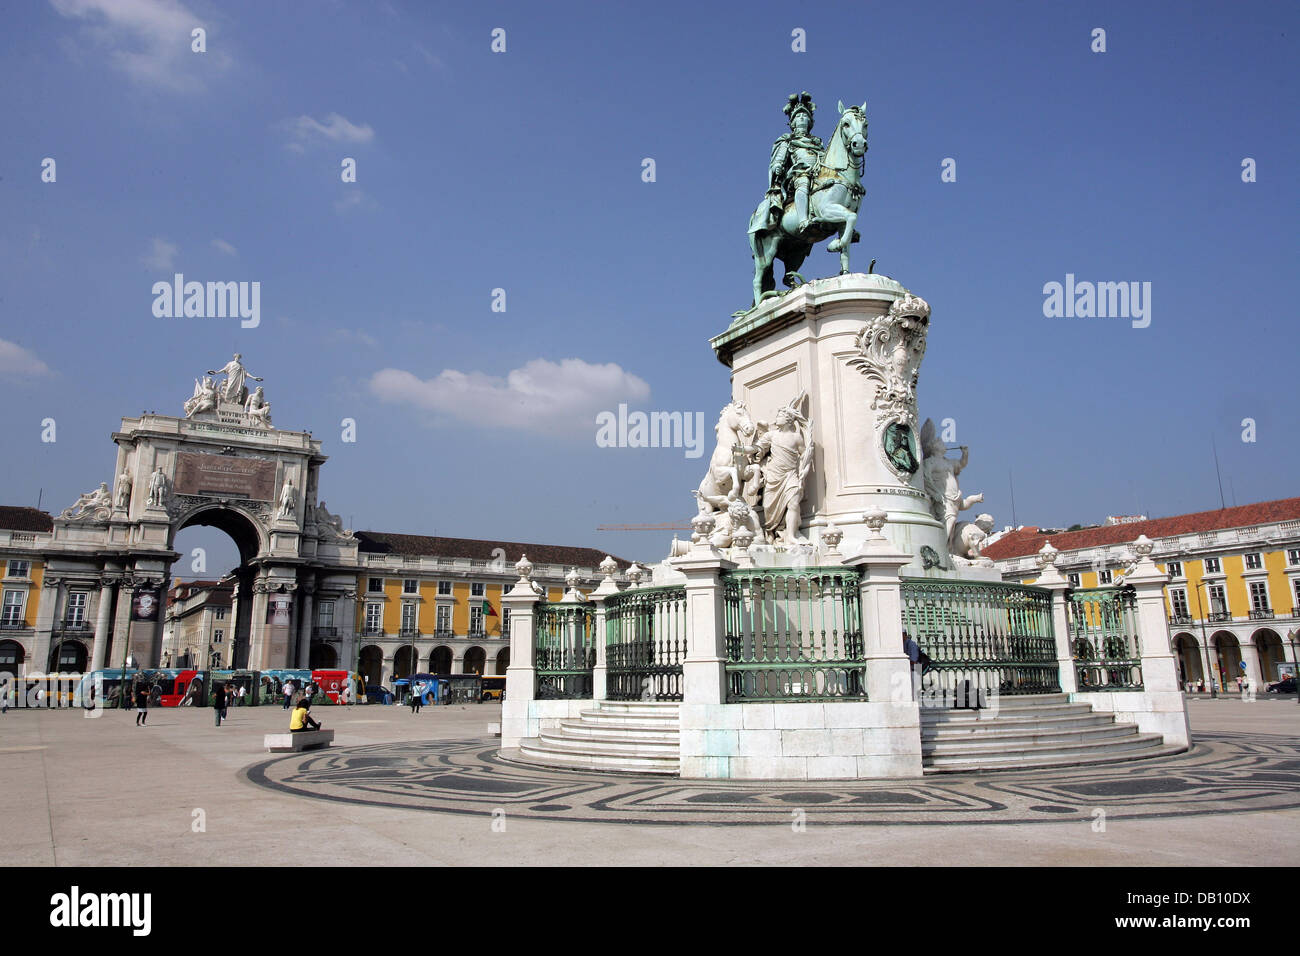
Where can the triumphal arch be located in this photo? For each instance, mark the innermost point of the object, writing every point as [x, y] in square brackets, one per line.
[221, 463]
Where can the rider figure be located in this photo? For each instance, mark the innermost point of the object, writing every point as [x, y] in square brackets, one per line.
[796, 157]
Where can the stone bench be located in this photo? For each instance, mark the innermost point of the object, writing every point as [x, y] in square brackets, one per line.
[304, 740]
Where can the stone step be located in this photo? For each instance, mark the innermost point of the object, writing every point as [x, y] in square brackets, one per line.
[1083, 749]
[608, 762]
[553, 740]
[1024, 741]
[949, 715]
[958, 729]
[585, 729]
[640, 707]
[994, 764]
[647, 721]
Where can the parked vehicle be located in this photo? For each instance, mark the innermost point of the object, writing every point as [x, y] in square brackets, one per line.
[1285, 686]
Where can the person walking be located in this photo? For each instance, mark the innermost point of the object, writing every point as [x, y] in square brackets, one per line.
[288, 693]
[141, 705]
[219, 702]
[416, 703]
[243, 692]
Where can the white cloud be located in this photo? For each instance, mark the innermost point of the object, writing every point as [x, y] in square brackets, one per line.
[17, 362]
[541, 396]
[162, 254]
[222, 246]
[149, 40]
[336, 129]
[352, 336]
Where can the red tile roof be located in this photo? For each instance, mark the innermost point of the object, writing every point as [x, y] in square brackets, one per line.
[383, 542]
[24, 519]
[1029, 540]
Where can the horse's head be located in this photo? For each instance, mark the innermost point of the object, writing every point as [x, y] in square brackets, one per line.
[852, 129]
[734, 417]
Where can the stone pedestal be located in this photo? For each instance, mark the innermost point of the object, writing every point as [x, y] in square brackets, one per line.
[837, 340]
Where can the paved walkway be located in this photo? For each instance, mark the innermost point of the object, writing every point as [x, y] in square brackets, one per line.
[404, 789]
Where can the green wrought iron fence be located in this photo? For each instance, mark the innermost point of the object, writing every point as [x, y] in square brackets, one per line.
[564, 649]
[794, 634]
[997, 636]
[645, 643]
[1104, 638]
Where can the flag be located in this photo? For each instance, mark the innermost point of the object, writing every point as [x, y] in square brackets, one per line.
[487, 609]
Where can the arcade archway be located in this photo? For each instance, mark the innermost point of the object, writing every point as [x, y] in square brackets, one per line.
[371, 664]
[1188, 652]
[12, 657]
[475, 658]
[503, 660]
[1228, 654]
[440, 660]
[1268, 649]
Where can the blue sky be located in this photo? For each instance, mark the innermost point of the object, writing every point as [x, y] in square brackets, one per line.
[522, 171]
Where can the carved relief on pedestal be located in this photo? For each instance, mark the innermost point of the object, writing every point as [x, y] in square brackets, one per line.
[890, 350]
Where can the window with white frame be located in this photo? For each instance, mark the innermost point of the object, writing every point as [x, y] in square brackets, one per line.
[374, 618]
[325, 614]
[1293, 556]
[444, 589]
[477, 589]
[21, 569]
[505, 618]
[218, 636]
[1218, 599]
[476, 618]
[411, 586]
[12, 615]
[1178, 602]
[1297, 592]
[1212, 566]
[443, 619]
[1175, 569]
[1106, 577]
[1258, 596]
[221, 614]
[1073, 579]
[409, 617]
[1254, 561]
[375, 586]
[76, 615]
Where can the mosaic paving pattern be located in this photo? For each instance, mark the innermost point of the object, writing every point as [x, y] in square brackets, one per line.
[1221, 773]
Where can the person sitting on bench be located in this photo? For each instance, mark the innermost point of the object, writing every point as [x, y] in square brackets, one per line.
[301, 719]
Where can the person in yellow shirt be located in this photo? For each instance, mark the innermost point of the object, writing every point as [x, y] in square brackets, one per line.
[301, 719]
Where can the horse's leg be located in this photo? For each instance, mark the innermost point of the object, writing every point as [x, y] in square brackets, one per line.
[839, 213]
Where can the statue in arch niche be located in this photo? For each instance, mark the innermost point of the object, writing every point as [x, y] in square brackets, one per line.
[786, 452]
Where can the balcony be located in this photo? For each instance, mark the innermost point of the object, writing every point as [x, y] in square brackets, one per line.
[325, 632]
[444, 634]
[372, 632]
[477, 635]
[1261, 614]
[1218, 617]
[1180, 617]
[17, 625]
[410, 632]
[73, 627]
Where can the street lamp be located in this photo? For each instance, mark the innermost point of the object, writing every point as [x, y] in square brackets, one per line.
[1200, 611]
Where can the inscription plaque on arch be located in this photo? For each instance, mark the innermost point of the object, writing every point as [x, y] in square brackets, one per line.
[225, 475]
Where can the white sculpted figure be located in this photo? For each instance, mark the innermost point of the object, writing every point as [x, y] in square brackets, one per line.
[327, 520]
[233, 389]
[158, 485]
[258, 409]
[288, 499]
[204, 398]
[728, 468]
[91, 505]
[124, 490]
[787, 450]
[940, 471]
[971, 536]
